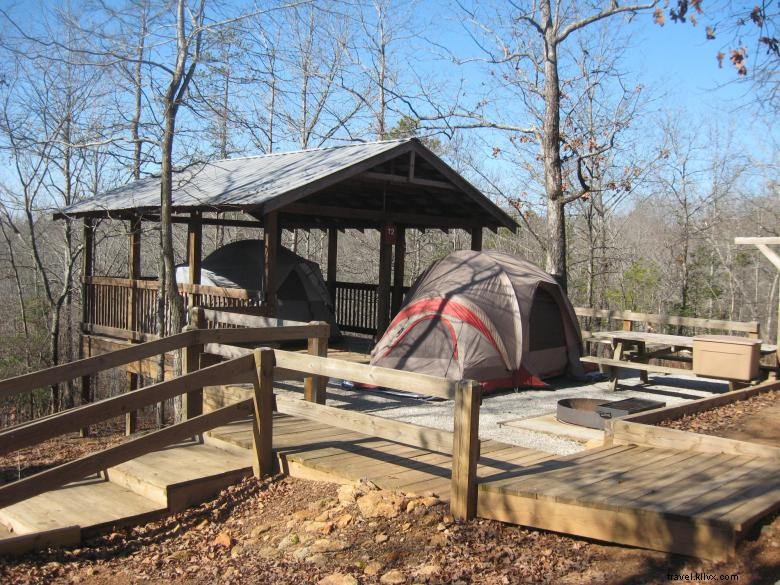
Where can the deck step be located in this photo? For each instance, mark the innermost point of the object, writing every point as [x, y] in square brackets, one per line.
[90, 505]
[182, 475]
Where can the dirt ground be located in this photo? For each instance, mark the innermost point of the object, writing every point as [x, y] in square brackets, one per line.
[283, 530]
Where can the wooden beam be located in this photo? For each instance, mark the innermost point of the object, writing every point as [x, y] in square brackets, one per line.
[262, 422]
[194, 252]
[383, 290]
[378, 217]
[742, 326]
[632, 433]
[271, 239]
[92, 365]
[398, 270]
[97, 462]
[406, 180]
[465, 451]
[366, 374]
[314, 387]
[333, 250]
[284, 200]
[368, 424]
[87, 268]
[771, 241]
[476, 239]
[679, 410]
[263, 335]
[770, 254]
[192, 401]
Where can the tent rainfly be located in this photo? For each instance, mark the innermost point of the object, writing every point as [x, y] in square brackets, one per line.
[487, 316]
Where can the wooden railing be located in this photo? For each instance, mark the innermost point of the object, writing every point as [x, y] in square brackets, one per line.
[127, 308]
[463, 443]
[356, 307]
[259, 367]
[603, 319]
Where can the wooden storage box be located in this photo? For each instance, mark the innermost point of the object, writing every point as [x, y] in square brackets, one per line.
[726, 356]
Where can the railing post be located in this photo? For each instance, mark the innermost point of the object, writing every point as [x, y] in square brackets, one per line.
[315, 387]
[465, 451]
[192, 401]
[262, 422]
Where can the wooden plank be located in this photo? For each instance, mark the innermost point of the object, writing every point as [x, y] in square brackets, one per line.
[262, 423]
[465, 451]
[634, 365]
[231, 317]
[371, 425]
[769, 240]
[72, 420]
[624, 432]
[741, 326]
[92, 365]
[647, 530]
[722, 485]
[262, 334]
[700, 405]
[366, 374]
[654, 477]
[96, 462]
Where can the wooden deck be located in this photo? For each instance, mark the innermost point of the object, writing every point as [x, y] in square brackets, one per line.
[316, 451]
[685, 502]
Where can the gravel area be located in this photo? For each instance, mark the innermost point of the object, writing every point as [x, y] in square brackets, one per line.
[501, 407]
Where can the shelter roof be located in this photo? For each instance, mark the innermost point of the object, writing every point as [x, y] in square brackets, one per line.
[357, 185]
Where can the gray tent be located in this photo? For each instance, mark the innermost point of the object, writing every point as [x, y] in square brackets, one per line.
[301, 291]
[486, 316]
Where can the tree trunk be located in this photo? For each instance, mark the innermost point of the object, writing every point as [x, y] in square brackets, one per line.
[551, 153]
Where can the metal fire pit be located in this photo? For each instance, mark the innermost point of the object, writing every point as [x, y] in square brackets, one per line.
[581, 412]
[628, 406]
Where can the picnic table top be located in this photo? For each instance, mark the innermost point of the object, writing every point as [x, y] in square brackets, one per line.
[658, 339]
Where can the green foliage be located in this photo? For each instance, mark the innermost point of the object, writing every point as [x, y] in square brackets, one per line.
[641, 278]
[408, 127]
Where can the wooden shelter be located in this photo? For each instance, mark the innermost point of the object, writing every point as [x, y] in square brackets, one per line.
[387, 186]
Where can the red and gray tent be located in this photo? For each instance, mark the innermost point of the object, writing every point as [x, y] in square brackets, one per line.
[486, 316]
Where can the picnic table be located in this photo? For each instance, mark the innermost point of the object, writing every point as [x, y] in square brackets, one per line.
[634, 350]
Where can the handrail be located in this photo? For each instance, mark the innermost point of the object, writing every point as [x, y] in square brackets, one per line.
[76, 418]
[615, 315]
[92, 365]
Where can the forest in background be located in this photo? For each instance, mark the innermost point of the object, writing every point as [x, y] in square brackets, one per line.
[652, 196]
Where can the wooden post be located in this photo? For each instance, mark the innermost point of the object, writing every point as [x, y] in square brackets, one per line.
[262, 423]
[192, 401]
[333, 250]
[398, 271]
[194, 252]
[271, 237]
[133, 273]
[315, 387]
[476, 239]
[88, 265]
[465, 451]
[383, 290]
